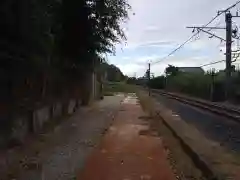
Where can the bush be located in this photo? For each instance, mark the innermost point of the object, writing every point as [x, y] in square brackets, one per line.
[157, 83]
[193, 84]
[205, 85]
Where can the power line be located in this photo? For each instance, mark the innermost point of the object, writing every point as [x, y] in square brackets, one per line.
[185, 42]
[189, 39]
[175, 50]
[215, 62]
[231, 7]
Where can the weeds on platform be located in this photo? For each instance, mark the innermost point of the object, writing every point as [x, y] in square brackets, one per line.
[147, 103]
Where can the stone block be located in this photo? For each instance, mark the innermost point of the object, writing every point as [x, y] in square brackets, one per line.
[57, 110]
[40, 117]
[71, 106]
[20, 128]
[79, 102]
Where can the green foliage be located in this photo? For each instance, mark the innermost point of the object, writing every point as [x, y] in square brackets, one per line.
[75, 31]
[113, 73]
[157, 82]
[132, 80]
[137, 81]
[90, 27]
[60, 39]
[208, 86]
[171, 70]
[116, 87]
[50, 47]
[190, 83]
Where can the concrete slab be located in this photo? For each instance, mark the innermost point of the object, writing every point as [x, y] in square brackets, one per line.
[214, 160]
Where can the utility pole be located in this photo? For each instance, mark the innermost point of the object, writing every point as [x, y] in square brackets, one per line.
[228, 19]
[212, 84]
[228, 40]
[149, 78]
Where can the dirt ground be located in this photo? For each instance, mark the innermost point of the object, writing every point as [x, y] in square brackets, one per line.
[112, 140]
[129, 150]
[58, 155]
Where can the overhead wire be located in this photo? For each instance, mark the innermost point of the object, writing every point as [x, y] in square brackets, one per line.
[231, 6]
[179, 47]
[215, 62]
[185, 42]
[189, 39]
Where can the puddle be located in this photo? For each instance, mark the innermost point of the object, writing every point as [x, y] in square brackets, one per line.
[131, 99]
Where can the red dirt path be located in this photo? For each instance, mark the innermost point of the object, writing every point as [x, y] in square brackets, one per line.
[123, 154]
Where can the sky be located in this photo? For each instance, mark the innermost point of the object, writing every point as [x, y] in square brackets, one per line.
[156, 27]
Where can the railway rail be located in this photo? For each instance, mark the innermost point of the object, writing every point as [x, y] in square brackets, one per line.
[229, 112]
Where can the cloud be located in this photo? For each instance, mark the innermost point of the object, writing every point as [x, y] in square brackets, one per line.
[198, 45]
[158, 44]
[151, 29]
[144, 59]
[159, 26]
[140, 64]
[150, 44]
[132, 69]
[126, 58]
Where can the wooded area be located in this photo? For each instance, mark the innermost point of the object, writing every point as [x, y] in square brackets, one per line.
[49, 50]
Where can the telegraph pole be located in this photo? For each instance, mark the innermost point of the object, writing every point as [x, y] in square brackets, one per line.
[228, 40]
[149, 78]
[212, 84]
[228, 19]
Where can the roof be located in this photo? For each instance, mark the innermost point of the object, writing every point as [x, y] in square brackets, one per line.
[191, 69]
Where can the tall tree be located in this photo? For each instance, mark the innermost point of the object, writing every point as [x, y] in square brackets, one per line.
[91, 27]
[52, 42]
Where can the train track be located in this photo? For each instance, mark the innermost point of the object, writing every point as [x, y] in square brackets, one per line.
[228, 112]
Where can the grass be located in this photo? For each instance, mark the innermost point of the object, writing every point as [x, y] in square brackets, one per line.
[146, 103]
[111, 88]
[108, 93]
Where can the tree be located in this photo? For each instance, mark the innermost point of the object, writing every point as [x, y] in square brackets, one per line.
[113, 73]
[171, 70]
[157, 82]
[90, 28]
[49, 47]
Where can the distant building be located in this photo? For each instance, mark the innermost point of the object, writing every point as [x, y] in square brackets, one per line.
[191, 70]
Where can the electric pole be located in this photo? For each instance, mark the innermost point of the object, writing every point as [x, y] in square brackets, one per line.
[228, 40]
[228, 19]
[149, 78]
[212, 84]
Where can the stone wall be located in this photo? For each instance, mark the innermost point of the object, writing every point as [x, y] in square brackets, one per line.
[40, 117]
[34, 120]
[37, 119]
